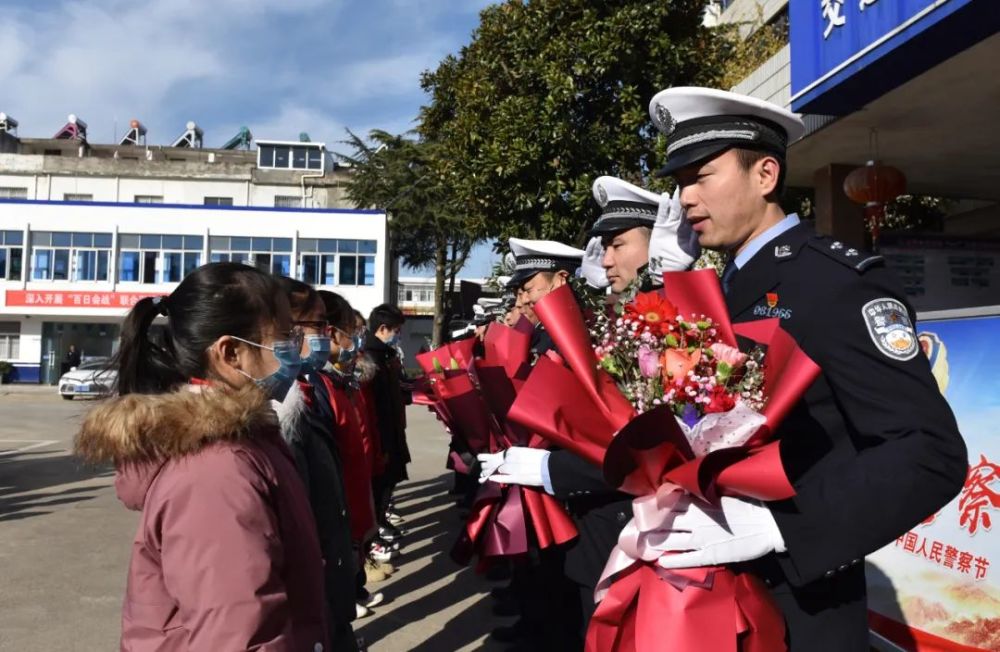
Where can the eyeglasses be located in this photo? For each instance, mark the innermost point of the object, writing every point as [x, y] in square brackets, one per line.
[320, 325]
[294, 335]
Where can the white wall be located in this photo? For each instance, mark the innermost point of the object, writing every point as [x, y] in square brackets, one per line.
[131, 218]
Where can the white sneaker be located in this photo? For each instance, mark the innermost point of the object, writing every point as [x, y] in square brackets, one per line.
[382, 554]
[374, 600]
[362, 611]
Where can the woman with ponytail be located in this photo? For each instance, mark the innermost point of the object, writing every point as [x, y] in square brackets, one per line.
[226, 556]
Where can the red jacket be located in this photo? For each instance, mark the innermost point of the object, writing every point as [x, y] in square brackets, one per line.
[226, 555]
[347, 432]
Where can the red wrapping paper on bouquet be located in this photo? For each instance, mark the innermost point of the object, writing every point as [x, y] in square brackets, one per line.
[503, 520]
[581, 408]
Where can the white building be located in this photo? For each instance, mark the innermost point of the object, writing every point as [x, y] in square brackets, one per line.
[88, 230]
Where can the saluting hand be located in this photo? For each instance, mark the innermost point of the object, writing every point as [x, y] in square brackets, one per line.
[592, 267]
[673, 245]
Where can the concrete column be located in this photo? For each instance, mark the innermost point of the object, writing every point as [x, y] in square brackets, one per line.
[836, 215]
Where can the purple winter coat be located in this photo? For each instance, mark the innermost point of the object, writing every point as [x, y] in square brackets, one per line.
[226, 556]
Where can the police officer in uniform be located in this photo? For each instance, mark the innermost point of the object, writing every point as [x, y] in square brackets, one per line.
[640, 228]
[540, 266]
[872, 448]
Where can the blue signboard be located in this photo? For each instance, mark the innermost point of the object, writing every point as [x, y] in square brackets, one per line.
[846, 53]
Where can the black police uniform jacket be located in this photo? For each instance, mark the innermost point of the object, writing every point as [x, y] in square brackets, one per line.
[872, 449]
[599, 511]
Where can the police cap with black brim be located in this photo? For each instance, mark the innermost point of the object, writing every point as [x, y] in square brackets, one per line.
[534, 256]
[701, 123]
[623, 205]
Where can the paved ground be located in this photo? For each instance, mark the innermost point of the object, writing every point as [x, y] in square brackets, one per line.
[64, 544]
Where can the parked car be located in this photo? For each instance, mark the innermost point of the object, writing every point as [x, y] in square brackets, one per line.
[91, 379]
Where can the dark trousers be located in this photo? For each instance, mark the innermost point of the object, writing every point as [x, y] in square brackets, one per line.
[549, 602]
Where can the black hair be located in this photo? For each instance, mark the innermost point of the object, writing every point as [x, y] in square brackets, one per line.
[386, 315]
[214, 300]
[748, 157]
[339, 312]
[358, 315]
[301, 296]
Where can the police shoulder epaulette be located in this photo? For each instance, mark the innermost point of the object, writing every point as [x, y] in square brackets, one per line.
[857, 259]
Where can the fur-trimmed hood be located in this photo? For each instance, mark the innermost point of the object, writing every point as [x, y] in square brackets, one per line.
[144, 427]
[139, 433]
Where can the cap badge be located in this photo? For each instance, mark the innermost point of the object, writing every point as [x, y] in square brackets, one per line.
[782, 251]
[664, 121]
[602, 196]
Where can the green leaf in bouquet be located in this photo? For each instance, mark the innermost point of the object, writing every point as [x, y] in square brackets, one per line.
[454, 364]
[437, 365]
[723, 371]
[671, 341]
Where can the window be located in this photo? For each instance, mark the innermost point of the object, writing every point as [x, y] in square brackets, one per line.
[11, 255]
[8, 192]
[72, 196]
[57, 256]
[149, 199]
[10, 340]
[155, 258]
[272, 255]
[218, 201]
[970, 270]
[300, 156]
[337, 262]
[287, 201]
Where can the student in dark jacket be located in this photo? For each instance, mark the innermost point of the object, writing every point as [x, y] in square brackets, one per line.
[384, 325]
[308, 433]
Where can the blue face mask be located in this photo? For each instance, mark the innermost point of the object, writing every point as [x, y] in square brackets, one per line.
[346, 356]
[319, 353]
[359, 343]
[276, 385]
[394, 340]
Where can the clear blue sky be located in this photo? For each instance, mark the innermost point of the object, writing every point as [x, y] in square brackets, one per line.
[279, 67]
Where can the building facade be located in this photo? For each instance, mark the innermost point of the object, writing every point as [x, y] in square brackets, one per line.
[87, 230]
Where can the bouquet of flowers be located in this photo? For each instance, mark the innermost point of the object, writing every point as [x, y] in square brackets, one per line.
[672, 409]
[503, 519]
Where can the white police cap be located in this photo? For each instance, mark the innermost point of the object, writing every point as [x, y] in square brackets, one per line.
[700, 123]
[623, 206]
[533, 256]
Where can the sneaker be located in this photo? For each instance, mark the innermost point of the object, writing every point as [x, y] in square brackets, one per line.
[388, 545]
[390, 533]
[373, 600]
[362, 611]
[373, 573]
[393, 518]
[382, 554]
[385, 567]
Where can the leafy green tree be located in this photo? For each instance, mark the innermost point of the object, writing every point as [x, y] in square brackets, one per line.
[404, 176]
[550, 94]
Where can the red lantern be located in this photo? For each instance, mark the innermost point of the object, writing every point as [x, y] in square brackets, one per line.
[873, 185]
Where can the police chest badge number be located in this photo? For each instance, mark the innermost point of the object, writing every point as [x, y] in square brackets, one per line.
[890, 328]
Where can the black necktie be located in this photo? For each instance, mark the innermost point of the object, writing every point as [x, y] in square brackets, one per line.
[729, 275]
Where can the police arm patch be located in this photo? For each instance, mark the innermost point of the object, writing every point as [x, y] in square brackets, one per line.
[890, 328]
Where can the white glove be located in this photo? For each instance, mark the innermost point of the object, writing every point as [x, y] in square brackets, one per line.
[738, 530]
[673, 246]
[488, 464]
[522, 466]
[591, 268]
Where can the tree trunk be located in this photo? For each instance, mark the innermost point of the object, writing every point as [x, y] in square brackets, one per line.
[440, 262]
